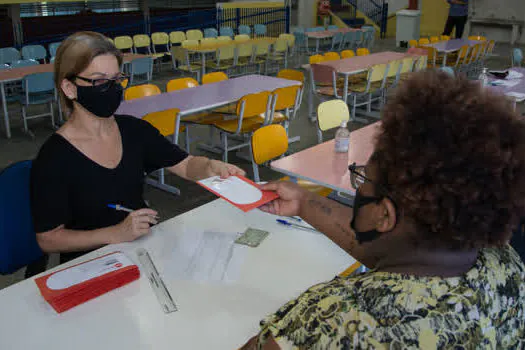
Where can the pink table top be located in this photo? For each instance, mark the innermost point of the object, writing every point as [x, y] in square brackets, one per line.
[203, 97]
[13, 74]
[361, 63]
[322, 165]
[452, 45]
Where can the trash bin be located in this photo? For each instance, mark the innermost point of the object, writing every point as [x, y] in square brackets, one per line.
[408, 24]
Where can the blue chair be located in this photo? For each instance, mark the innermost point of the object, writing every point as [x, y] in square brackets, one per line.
[34, 52]
[140, 71]
[259, 30]
[333, 27]
[448, 70]
[18, 246]
[9, 55]
[349, 41]
[210, 33]
[369, 34]
[24, 63]
[3, 66]
[319, 29]
[53, 47]
[39, 88]
[337, 42]
[301, 41]
[226, 31]
[359, 39]
[244, 29]
[517, 57]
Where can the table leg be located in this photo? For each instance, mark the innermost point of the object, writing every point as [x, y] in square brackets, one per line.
[203, 62]
[6, 115]
[311, 103]
[444, 60]
[317, 45]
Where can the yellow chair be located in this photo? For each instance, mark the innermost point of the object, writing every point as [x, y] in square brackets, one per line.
[181, 84]
[374, 84]
[354, 268]
[316, 59]
[424, 41]
[279, 54]
[270, 142]
[141, 91]
[477, 37]
[331, 56]
[290, 39]
[181, 61]
[163, 121]
[161, 43]
[190, 43]
[285, 104]
[434, 39]
[209, 43]
[262, 51]
[224, 58]
[460, 57]
[214, 77]
[245, 52]
[363, 51]
[142, 41]
[224, 38]
[347, 54]
[124, 43]
[242, 37]
[413, 43]
[177, 38]
[251, 113]
[330, 115]
[111, 40]
[194, 34]
[445, 38]
[291, 74]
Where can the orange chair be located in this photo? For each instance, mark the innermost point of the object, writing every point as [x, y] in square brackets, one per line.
[315, 59]
[363, 51]
[214, 77]
[331, 56]
[444, 37]
[141, 91]
[285, 104]
[180, 84]
[413, 43]
[347, 54]
[292, 74]
[424, 41]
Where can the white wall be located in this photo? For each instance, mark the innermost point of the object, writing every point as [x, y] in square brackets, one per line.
[396, 5]
[513, 10]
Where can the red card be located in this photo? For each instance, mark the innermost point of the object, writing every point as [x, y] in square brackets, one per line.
[239, 191]
[77, 284]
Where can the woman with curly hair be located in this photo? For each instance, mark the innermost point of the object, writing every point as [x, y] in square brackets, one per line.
[434, 211]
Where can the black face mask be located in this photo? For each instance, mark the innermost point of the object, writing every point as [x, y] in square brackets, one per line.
[359, 202]
[101, 100]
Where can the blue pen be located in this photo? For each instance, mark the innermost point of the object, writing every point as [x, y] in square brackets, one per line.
[301, 227]
[119, 207]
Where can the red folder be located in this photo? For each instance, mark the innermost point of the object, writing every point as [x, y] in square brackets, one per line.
[69, 287]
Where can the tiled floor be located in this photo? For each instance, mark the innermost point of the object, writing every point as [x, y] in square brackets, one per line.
[21, 147]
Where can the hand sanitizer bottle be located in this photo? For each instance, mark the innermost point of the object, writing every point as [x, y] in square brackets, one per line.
[342, 138]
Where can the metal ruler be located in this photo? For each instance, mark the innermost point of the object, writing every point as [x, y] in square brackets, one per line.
[156, 282]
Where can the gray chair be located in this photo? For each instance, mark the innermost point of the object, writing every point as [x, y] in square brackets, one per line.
[34, 52]
[39, 88]
[141, 71]
[9, 55]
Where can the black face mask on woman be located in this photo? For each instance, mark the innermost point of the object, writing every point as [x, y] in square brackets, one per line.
[101, 100]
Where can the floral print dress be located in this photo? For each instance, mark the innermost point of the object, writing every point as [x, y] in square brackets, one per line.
[483, 309]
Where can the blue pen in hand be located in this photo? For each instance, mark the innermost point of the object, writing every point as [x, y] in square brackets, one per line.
[301, 227]
[119, 207]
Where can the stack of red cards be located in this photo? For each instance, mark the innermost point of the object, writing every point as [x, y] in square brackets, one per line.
[75, 285]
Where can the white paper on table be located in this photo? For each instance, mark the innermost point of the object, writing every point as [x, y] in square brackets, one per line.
[507, 83]
[519, 97]
[514, 75]
[207, 257]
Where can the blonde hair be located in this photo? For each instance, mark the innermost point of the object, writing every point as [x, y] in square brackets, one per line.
[75, 54]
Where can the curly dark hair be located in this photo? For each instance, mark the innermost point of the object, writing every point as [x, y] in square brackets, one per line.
[453, 156]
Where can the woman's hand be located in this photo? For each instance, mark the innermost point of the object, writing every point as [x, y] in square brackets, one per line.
[135, 225]
[224, 170]
[290, 198]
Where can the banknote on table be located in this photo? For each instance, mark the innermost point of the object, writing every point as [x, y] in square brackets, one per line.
[252, 237]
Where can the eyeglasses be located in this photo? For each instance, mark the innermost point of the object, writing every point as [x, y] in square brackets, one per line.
[357, 175]
[106, 83]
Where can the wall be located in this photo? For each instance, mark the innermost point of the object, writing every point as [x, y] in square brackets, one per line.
[503, 9]
[434, 14]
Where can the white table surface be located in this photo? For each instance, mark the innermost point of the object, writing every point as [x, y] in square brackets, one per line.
[209, 317]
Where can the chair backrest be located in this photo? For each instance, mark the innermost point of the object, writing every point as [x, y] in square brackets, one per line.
[424, 41]
[194, 34]
[474, 53]
[347, 54]
[177, 37]
[281, 45]
[291, 74]
[124, 42]
[444, 38]
[163, 121]
[224, 38]
[244, 29]
[315, 59]
[190, 43]
[421, 64]
[378, 72]
[39, 83]
[242, 37]
[331, 114]
[181, 84]
[363, 51]
[53, 47]
[413, 43]
[322, 74]
[333, 27]
[431, 56]
[24, 63]
[517, 57]
[253, 105]
[337, 39]
[9, 55]
[490, 48]
[286, 97]
[110, 40]
[141, 91]
[408, 65]
[477, 37]
[211, 33]
[160, 38]
[19, 246]
[180, 55]
[245, 50]
[331, 56]
[259, 29]
[143, 65]
[262, 48]
[269, 142]
[448, 70]
[209, 42]
[34, 52]
[434, 39]
[226, 31]
[214, 77]
[290, 39]
[226, 52]
[141, 41]
[394, 68]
